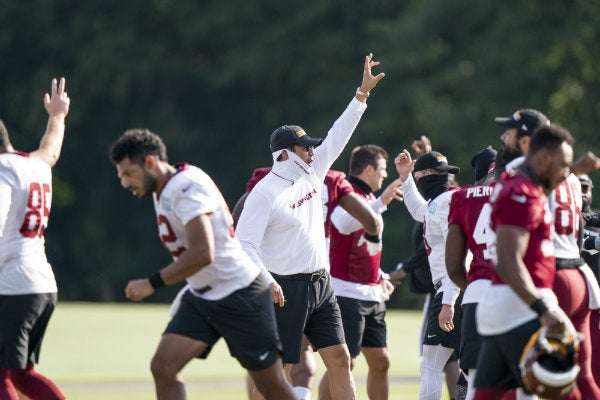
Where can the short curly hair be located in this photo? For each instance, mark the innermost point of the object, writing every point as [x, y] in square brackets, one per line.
[136, 144]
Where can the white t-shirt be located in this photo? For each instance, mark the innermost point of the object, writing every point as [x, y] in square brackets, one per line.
[188, 194]
[25, 200]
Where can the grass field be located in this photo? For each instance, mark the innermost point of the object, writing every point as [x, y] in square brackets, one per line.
[103, 351]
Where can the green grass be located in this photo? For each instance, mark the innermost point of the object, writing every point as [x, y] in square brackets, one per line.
[103, 351]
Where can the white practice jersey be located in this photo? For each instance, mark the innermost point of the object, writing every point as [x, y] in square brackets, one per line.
[25, 199]
[434, 215]
[191, 193]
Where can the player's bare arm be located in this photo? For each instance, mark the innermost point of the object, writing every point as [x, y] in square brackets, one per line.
[369, 81]
[456, 254]
[57, 105]
[362, 212]
[511, 245]
[198, 254]
[404, 164]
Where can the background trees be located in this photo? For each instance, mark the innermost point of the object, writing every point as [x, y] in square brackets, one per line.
[215, 78]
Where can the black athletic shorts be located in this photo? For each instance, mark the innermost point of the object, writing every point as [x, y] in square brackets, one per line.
[434, 335]
[245, 319]
[310, 307]
[498, 362]
[364, 323]
[470, 340]
[23, 322]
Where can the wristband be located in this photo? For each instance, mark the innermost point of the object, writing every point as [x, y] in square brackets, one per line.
[361, 93]
[156, 280]
[371, 238]
[399, 267]
[539, 306]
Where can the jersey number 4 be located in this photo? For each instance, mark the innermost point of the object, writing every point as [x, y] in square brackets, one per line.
[38, 210]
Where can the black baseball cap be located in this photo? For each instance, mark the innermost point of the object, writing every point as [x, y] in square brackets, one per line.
[482, 161]
[291, 135]
[435, 160]
[524, 120]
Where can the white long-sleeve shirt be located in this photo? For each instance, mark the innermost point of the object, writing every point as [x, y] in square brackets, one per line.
[281, 226]
[434, 215]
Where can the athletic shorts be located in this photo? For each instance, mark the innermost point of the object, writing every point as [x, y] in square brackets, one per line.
[245, 319]
[364, 323]
[470, 340]
[434, 335]
[23, 322]
[310, 307]
[498, 362]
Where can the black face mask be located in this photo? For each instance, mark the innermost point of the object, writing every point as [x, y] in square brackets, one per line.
[431, 186]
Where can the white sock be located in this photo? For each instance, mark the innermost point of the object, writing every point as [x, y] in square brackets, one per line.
[432, 366]
[302, 393]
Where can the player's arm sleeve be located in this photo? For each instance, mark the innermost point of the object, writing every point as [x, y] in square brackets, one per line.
[415, 203]
[337, 137]
[251, 228]
[5, 200]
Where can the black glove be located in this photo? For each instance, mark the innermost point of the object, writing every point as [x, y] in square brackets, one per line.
[590, 243]
[591, 219]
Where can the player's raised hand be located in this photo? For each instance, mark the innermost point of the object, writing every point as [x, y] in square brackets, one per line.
[57, 102]
[369, 81]
[404, 164]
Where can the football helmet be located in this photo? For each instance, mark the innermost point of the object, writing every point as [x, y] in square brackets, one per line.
[549, 364]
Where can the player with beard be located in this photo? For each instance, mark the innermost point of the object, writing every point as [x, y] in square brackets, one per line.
[225, 297]
[428, 201]
[521, 296]
[575, 285]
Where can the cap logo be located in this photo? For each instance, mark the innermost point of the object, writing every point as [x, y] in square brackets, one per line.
[516, 116]
[300, 133]
[442, 159]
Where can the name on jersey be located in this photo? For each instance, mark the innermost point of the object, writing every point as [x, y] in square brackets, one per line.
[307, 197]
[479, 191]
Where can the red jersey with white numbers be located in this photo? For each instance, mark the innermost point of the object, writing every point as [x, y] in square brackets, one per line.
[518, 201]
[25, 199]
[470, 209]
